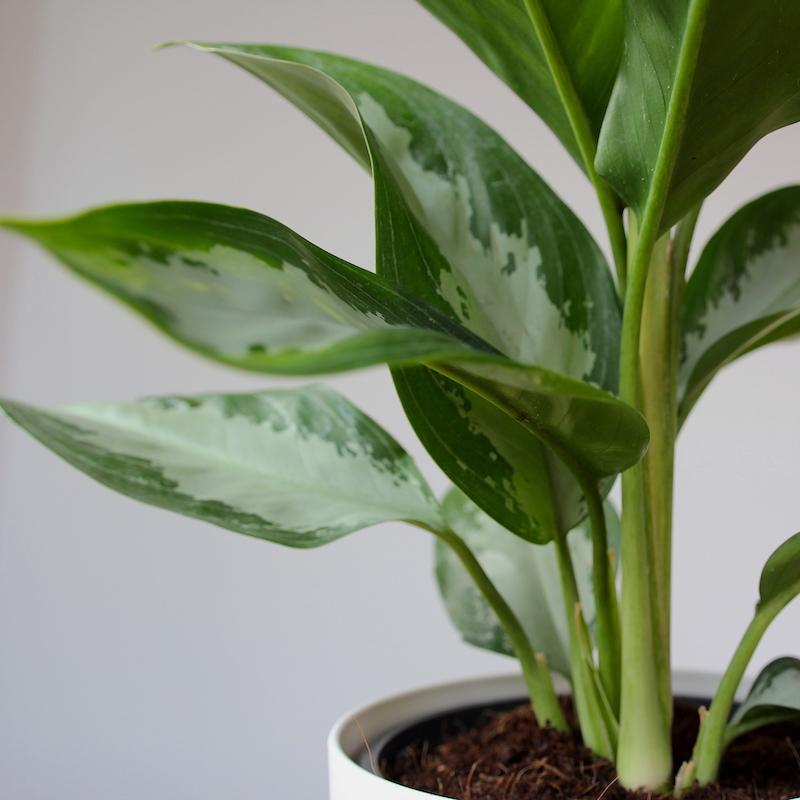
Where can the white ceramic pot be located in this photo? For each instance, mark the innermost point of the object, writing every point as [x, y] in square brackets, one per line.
[346, 743]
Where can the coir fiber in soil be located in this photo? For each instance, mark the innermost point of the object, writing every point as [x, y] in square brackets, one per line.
[505, 756]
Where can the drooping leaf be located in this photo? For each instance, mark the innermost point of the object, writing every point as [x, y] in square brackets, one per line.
[744, 292]
[576, 420]
[780, 577]
[299, 467]
[737, 75]
[774, 697]
[463, 223]
[589, 35]
[525, 574]
[244, 290]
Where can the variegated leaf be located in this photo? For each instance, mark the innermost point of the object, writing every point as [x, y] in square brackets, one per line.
[589, 39]
[243, 289]
[526, 574]
[774, 697]
[300, 467]
[465, 224]
[744, 292]
[734, 65]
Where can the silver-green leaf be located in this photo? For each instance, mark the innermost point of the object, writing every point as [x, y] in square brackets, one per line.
[744, 292]
[244, 289]
[299, 467]
[774, 697]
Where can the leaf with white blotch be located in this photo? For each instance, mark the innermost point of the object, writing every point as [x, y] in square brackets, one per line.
[744, 292]
[300, 467]
[589, 36]
[246, 290]
[464, 224]
[780, 578]
[774, 697]
[737, 74]
[525, 574]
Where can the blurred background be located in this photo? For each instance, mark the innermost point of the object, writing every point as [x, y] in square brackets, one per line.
[148, 656]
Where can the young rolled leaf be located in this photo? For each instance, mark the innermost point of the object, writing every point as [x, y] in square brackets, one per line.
[245, 290]
[589, 38]
[701, 81]
[527, 576]
[780, 578]
[780, 584]
[774, 697]
[465, 224]
[744, 292]
[299, 467]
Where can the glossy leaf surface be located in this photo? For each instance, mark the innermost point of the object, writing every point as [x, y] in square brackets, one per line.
[744, 292]
[463, 223]
[589, 35]
[739, 68]
[774, 697]
[300, 467]
[525, 574]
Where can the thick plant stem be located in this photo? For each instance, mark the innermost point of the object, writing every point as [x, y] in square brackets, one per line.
[644, 759]
[584, 136]
[645, 752]
[536, 673]
[598, 727]
[659, 350]
[711, 740]
[659, 355]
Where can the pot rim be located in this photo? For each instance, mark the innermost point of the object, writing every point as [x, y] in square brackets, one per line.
[354, 732]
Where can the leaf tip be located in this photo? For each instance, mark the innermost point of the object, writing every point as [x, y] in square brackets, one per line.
[19, 225]
[193, 44]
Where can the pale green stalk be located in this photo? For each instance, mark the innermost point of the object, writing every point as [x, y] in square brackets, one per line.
[711, 742]
[598, 728]
[605, 596]
[659, 350]
[645, 753]
[537, 675]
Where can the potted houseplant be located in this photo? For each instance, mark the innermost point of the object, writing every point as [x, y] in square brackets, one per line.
[533, 372]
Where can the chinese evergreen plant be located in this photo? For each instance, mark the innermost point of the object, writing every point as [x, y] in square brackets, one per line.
[531, 375]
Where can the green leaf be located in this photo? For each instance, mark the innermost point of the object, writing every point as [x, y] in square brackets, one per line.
[245, 290]
[464, 224]
[781, 574]
[300, 467]
[589, 35]
[728, 70]
[581, 424]
[774, 697]
[525, 574]
[744, 292]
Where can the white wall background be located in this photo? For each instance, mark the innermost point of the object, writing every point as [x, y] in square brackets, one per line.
[145, 655]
